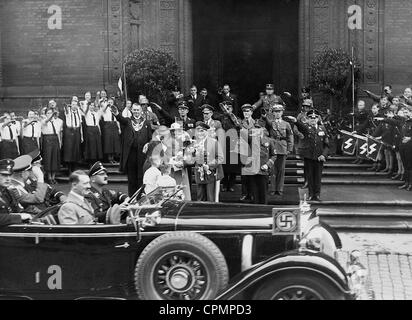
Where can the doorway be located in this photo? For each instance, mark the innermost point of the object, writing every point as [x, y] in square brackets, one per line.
[246, 44]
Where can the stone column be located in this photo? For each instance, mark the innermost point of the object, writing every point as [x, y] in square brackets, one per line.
[185, 43]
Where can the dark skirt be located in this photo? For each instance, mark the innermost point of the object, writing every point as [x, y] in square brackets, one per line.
[72, 145]
[51, 152]
[93, 144]
[111, 138]
[28, 145]
[8, 149]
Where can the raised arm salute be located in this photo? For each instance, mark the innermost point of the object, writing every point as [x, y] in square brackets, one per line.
[315, 152]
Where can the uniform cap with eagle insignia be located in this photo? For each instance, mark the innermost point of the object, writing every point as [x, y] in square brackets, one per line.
[278, 107]
[6, 167]
[182, 105]
[313, 114]
[22, 163]
[96, 169]
[36, 157]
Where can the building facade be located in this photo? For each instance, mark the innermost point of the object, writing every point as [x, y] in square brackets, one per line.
[58, 48]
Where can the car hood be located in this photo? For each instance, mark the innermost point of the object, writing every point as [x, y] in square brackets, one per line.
[198, 216]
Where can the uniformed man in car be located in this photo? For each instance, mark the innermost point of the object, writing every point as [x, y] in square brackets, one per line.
[53, 196]
[100, 197]
[11, 212]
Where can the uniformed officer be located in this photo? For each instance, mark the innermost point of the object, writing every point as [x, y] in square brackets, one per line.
[188, 123]
[281, 132]
[248, 123]
[53, 196]
[315, 152]
[231, 126]
[101, 198]
[21, 172]
[258, 163]
[10, 209]
[266, 102]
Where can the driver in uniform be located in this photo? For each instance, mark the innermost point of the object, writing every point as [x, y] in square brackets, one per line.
[10, 209]
[101, 198]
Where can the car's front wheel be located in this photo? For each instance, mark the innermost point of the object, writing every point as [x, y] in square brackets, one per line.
[297, 287]
[180, 266]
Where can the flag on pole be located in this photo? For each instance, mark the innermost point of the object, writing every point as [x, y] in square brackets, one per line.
[348, 143]
[120, 85]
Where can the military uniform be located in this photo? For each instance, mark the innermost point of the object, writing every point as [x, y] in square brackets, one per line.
[102, 201]
[208, 152]
[281, 133]
[317, 144]
[245, 134]
[253, 163]
[7, 203]
[266, 103]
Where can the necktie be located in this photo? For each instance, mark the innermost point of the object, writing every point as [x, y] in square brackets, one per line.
[32, 129]
[10, 132]
[54, 129]
[75, 120]
[94, 119]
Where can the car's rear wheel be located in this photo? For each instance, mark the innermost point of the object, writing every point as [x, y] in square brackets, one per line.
[180, 266]
[298, 287]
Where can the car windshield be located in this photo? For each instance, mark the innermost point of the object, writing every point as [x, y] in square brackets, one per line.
[159, 196]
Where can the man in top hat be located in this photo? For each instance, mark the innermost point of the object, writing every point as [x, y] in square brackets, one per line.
[208, 155]
[101, 198]
[315, 152]
[10, 209]
[281, 132]
[268, 101]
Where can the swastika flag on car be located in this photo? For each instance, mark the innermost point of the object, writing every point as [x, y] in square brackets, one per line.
[374, 148]
[348, 143]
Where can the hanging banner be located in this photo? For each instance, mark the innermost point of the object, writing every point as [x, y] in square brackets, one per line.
[374, 148]
[348, 143]
[361, 146]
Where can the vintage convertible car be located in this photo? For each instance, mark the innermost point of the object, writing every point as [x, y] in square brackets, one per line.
[173, 249]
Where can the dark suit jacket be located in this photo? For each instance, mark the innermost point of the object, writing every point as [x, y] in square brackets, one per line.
[316, 141]
[194, 106]
[128, 138]
[232, 98]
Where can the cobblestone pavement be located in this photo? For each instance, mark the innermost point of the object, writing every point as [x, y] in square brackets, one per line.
[388, 258]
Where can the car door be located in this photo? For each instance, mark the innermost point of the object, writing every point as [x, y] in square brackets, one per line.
[67, 261]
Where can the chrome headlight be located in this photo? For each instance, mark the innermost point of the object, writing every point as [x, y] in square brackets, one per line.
[319, 239]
